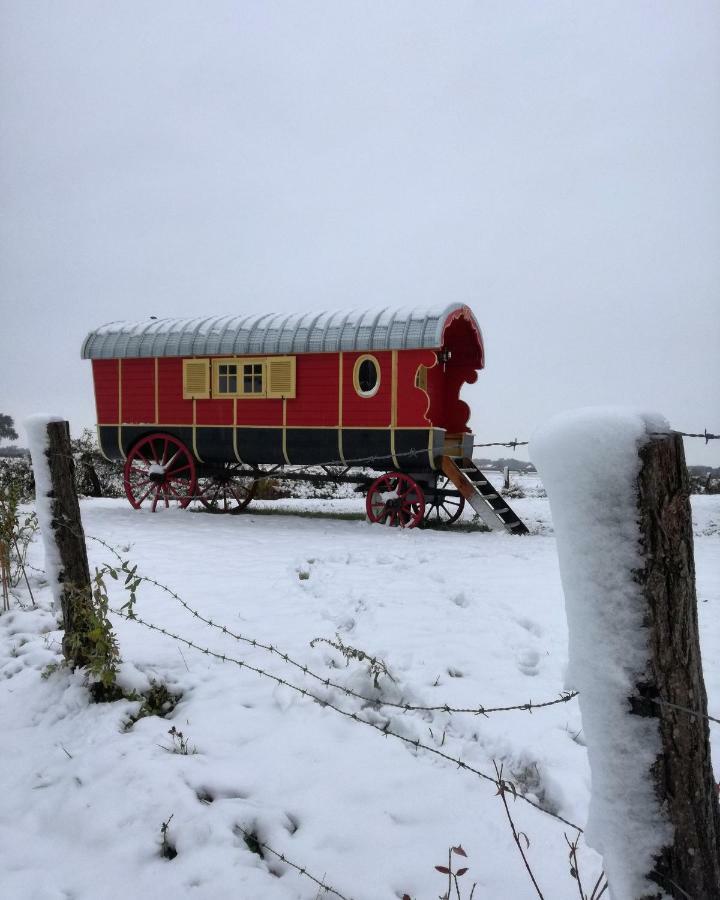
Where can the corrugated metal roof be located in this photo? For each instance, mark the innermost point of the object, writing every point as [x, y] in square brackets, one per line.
[272, 333]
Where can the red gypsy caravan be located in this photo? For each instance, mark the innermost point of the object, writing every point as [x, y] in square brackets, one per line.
[202, 409]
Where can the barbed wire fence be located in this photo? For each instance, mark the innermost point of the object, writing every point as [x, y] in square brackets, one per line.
[504, 786]
[375, 702]
[127, 612]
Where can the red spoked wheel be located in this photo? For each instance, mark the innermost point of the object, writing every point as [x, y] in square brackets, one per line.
[395, 499]
[442, 507]
[226, 488]
[159, 468]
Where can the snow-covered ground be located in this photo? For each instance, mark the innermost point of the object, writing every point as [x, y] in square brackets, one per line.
[463, 618]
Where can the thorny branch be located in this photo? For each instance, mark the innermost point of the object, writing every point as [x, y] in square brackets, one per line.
[599, 887]
[502, 787]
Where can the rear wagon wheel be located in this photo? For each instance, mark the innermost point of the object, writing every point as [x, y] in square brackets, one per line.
[227, 489]
[443, 508]
[159, 469]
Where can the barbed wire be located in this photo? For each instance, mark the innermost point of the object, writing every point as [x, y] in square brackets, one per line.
[705, 434]
[250, 836]
[685, 709]
[513, 444]
[384, 730]
[376, 702]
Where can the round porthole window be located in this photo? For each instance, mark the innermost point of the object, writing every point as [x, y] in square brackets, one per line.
[366, 376]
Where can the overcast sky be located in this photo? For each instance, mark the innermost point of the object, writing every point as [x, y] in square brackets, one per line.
[555, 165]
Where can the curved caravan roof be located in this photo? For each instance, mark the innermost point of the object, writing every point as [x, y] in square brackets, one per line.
[278, 333]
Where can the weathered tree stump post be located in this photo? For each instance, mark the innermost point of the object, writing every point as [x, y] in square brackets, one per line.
[619, 492]
[674, 690]
[69, 539]
[506, 478]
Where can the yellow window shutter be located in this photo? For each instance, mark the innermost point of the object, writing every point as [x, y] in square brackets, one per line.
[281, 376]
[196, 379]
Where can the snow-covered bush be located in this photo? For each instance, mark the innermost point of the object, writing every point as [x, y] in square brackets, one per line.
[701, 483]
[515, 492]
[16, 474]
[95, 476]
[17, 530]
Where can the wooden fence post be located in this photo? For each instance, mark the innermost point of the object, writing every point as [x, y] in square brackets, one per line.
[619, 493]
[506, 478]
[674, 689]
[69, 539]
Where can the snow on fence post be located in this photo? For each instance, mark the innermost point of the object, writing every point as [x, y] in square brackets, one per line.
[58, 511]
[619, 495]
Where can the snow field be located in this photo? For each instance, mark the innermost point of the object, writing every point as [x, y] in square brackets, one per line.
[463, 618]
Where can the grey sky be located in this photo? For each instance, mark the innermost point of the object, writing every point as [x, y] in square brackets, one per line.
[553, 164]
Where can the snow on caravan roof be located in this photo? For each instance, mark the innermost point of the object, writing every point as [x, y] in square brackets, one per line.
[320, 332]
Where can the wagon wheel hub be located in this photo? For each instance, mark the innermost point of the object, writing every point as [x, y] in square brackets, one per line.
[156, 473]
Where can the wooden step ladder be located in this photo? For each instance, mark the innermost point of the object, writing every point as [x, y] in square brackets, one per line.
[482, 496]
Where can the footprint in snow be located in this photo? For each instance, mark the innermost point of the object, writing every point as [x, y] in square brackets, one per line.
[527, 662]
[533, 627]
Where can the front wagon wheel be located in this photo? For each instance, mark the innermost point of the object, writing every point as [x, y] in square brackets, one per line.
[159, 469]
[395, 499]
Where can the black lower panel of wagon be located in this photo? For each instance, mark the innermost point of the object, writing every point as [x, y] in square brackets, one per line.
[381, 449]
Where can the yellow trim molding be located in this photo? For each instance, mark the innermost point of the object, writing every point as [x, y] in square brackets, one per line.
[393, 407]
[119, 436]
[278, 425]
[157, 395]
[284, 432]
[340, 410]
[235, 449]
[194, 434]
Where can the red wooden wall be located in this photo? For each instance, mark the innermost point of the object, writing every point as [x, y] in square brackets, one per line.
[317, 392]
[138, 390]
[105, 378]
[317, 377]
